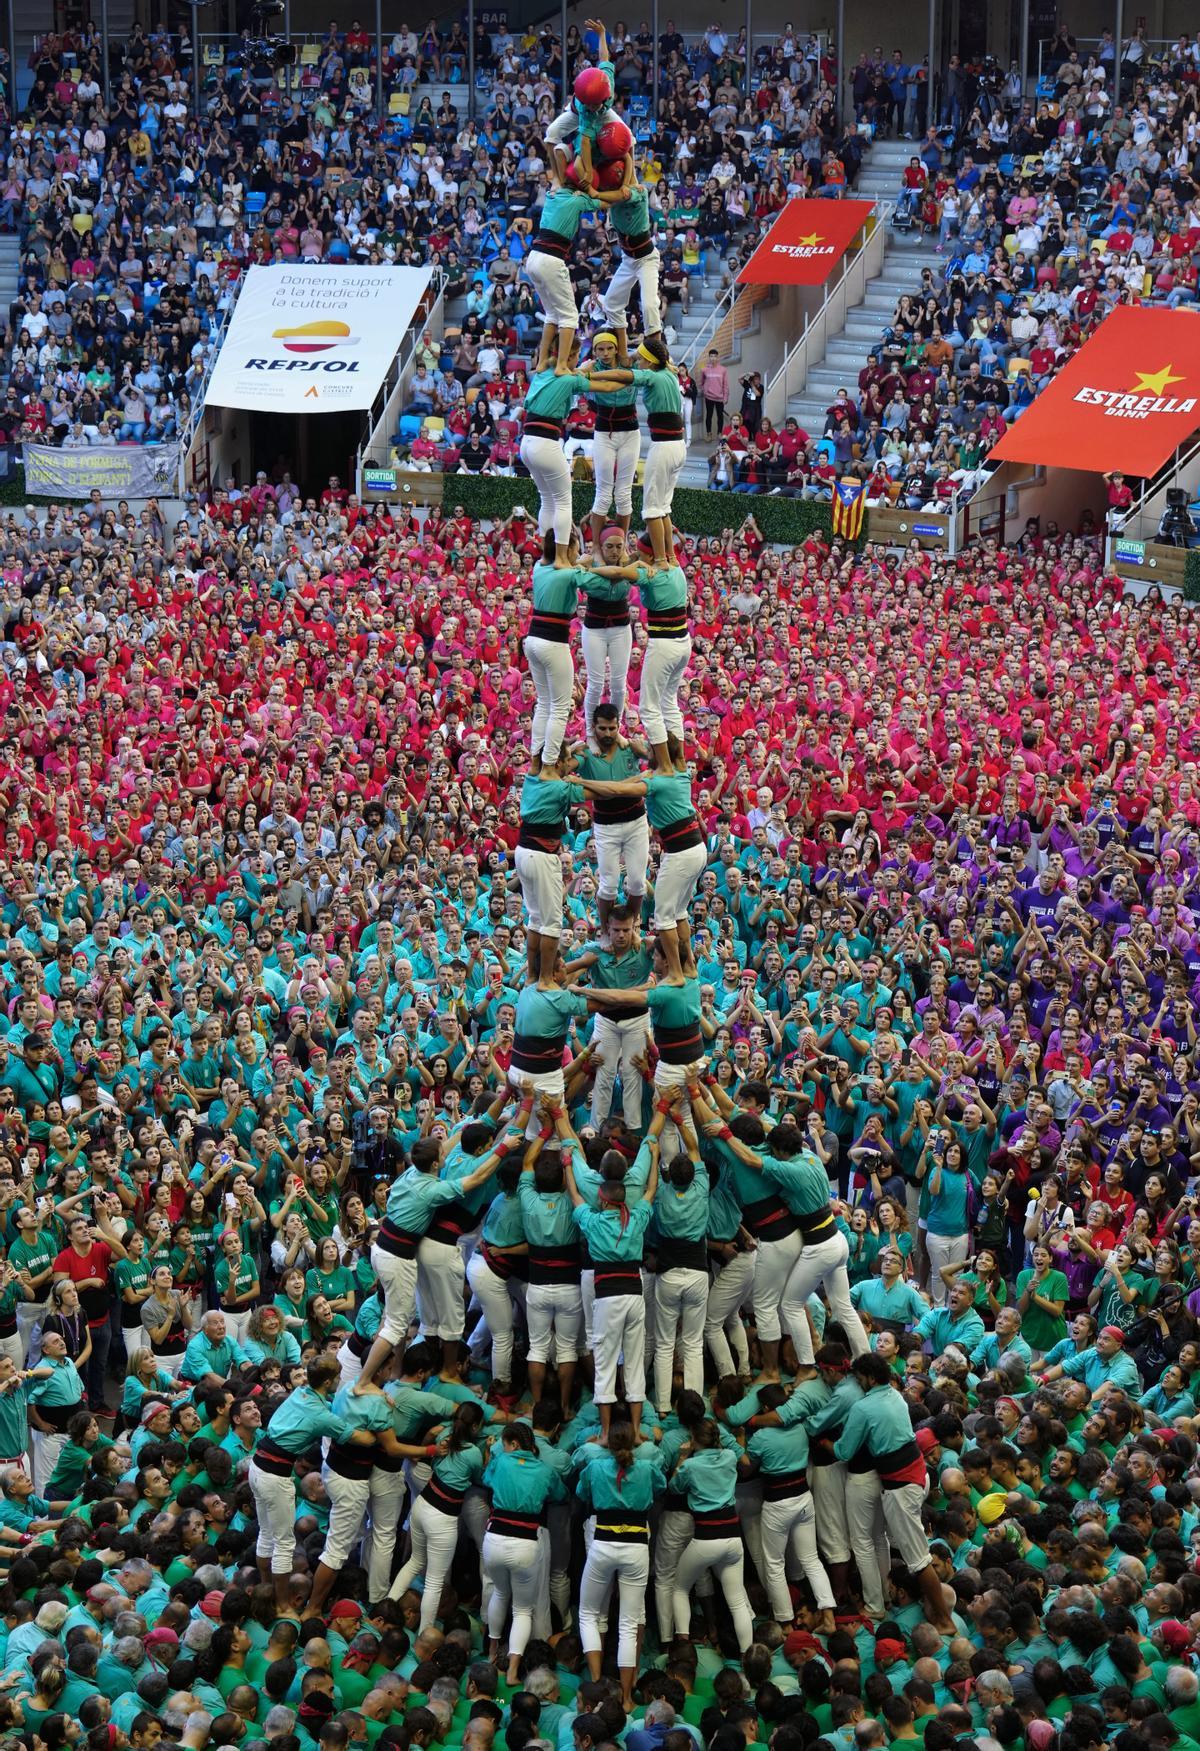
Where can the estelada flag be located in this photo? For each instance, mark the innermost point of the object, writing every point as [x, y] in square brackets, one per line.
[1126, 401]
[806, 242]
[849, 503]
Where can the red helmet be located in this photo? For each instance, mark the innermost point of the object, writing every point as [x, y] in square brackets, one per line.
[614, 139]
[593, 87]
[609, 176]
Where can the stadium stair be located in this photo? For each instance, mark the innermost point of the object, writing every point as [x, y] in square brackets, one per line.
[10, 268]
[906, 254]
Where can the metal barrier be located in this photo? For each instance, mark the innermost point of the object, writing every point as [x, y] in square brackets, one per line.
[1086, 45]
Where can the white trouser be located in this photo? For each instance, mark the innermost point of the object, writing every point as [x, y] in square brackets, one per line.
[905, 1530]
[723, 1329]
[823, 1266]
[549, 1082]
[236, 1327]
[350, 1498]
[619, 1329]
[626, 842]
[671, 1539]
[615, 1046]
[722, 1557]
[629, 1566]
[606, 650]
[540, 875]
[614, 463]
[441, 1278]
[551, 474]
[46, 1451]
[675, 885]
[383, 1522]
[748, 1500]
[680, 1303]
[943, 1249]
[135, 1338]
[434, 1541]
[670, 1081]
[275, 1508]
[550, 278]
[350, 1365]
[28, 1315]
[12, 1347]
[663, 669]
[868, 1537]
[512, 1566]
[399, 1279]
[776, 1259]
[170, 1364]
[829, 1499]
[791, 1526]
[664, 464]
[554, 1310]
[643, 272]
[553, 673]
[563, 128]
[492, 1294]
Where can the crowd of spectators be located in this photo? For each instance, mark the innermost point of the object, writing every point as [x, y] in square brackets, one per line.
[136, 217]
[1048, 213]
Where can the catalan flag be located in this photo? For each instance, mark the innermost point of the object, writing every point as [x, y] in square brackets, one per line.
[849, 504]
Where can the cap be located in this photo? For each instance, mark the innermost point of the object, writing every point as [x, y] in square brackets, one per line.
[887, 1648]
[926, 1440]
[1112, 1331]
[161, 1638]
[345, 1608]
[991, 1507]
[1175, 1635]
[212, 1602]
[801, 1641]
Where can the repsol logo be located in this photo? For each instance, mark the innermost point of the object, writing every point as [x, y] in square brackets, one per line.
[330, 367]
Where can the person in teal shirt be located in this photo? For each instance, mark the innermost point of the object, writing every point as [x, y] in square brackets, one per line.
[707, 1477]
[436, 1512]
[521, 1484]
[681, 1258]
[553, 1300]
[547, 799]
[620, 1492]
[615, 1234]
[548, 649]
[780, 1457]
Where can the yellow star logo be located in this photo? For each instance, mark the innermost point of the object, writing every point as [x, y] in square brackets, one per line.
[815, 238]
[1155, 382]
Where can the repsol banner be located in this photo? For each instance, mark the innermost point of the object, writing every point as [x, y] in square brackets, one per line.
[312, 338]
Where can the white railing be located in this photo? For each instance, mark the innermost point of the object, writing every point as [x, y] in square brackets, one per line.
[1140, 522]
[843, 291]
[716, 316]
[187, 436]
[376, 447]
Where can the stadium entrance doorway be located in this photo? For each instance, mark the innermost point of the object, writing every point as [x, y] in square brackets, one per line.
[310, 447]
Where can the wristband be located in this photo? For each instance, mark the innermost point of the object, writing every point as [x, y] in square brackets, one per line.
[431, 1451]
[725, 1133]
[662, 1106]
[546, 1132]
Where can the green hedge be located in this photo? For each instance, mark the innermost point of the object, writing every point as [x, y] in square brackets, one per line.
[697, 512]
[1191, 575]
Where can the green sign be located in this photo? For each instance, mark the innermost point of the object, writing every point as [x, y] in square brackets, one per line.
[379, 480]
[1129, 552]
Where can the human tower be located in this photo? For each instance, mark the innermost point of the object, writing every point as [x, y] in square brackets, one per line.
[621, 1258]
